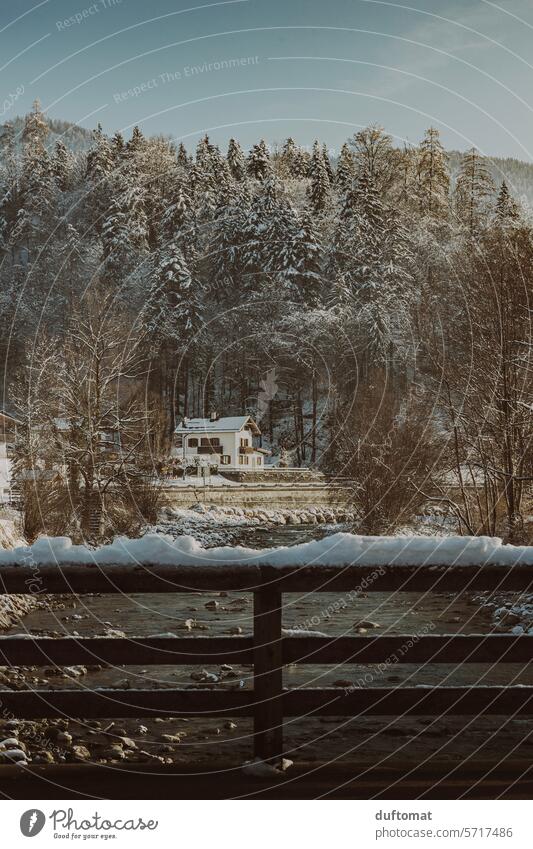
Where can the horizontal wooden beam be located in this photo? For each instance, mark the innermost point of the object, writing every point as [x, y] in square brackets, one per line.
[216, 577]
[399, 701]
[449, 648]
[184, 651]
[377, 701]
[92, 704]
[145, 651]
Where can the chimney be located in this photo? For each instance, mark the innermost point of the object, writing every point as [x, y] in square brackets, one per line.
[213, 416]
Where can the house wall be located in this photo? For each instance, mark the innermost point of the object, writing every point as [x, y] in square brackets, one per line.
[230, 442]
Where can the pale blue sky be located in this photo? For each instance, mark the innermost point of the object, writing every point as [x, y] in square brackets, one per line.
[313, 68]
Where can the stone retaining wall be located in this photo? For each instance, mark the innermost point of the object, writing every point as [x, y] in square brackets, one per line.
[259, 495]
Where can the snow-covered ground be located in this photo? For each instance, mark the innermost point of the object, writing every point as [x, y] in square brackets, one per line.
[12, 607]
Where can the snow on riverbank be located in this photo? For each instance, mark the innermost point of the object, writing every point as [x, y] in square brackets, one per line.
[223, 525]
[339, 549]
[12, 607]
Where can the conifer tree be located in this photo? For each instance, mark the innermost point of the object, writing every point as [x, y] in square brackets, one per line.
[258, 164]
[473, 190]
[319, 187]
[433, 180]
[507, 209]
[62, 163]
[236, 160]
[344, 174]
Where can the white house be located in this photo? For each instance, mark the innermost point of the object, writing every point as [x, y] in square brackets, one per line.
[8, 432]
[227, 442]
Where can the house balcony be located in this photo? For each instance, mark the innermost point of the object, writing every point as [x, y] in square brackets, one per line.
[246, 449]
[209, 449]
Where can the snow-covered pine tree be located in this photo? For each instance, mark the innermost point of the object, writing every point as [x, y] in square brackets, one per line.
[507, 209]
[62, 164]
[473, 191]
[318, 190]
[173, 309]
[258, 164]
[118, 148]
[39, 194]
[135, 144]
[345, 172]
[300, 164]
[182, 157]
[100, 166]
[299, 261]
[9, 184]
[432, 177]
[372, 266]
[125, 230]
[327, 164]
[236, 160]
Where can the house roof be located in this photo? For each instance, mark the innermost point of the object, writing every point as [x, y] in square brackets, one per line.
[7, 415]
[229, 423]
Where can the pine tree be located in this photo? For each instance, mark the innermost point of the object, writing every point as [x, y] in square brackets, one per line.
[287, 157]
[327, 164]
[345, 172]
[182, 157]
[299, 262]
[9, 183]
[319, 187]
[300, 164]
[258, 163]
[37, 184]
[135, 144]
[236, 160]
[125, 231]
[372, 263]
[173, 311]
[118, 148]
[507, 209]
[99, 170]
[62, 163]
[433, 180]
[473, 190]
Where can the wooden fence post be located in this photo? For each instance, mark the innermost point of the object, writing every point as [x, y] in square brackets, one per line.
[268, 675]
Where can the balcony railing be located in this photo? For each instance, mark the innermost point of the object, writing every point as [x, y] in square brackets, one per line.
[268, 649]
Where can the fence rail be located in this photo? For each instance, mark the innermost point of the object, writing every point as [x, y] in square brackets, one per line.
[268, 650]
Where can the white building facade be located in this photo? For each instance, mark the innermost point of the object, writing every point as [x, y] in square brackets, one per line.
[8, 433]
[226, 442]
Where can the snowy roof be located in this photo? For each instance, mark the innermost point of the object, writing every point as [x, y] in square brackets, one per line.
[229, 423]
[7, 415]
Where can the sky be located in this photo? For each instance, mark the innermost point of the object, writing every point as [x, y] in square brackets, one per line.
[273, 68]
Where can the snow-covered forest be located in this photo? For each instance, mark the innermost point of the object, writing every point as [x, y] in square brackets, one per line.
[373, 310]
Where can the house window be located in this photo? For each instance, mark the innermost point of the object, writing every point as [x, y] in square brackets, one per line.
[244, 442]
[206, 441]
[225, 460]
[178, 441]
[243, 459]
[259, 460]
[193, 443]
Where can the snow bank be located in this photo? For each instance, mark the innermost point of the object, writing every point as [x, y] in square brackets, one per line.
[13, 607]
[340, 549]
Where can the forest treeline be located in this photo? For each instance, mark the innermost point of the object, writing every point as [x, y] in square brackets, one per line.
[392, 307]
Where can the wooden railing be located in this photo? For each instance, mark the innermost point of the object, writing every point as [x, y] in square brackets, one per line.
[268, 649]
